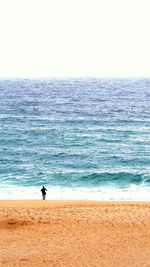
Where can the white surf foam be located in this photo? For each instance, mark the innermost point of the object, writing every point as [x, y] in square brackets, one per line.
[135, 193]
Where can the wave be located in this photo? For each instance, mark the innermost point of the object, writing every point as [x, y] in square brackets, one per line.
[119, 179]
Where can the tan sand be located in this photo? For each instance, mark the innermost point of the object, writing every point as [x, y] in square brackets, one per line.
[74, 233]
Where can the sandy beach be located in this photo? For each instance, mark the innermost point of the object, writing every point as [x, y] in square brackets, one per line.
[74, 233]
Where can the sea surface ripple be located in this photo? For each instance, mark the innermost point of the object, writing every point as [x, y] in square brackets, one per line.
[81, 138]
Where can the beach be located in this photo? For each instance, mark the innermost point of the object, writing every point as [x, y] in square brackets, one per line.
[74, 233]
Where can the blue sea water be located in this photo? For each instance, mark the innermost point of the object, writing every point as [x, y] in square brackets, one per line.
[81, 138]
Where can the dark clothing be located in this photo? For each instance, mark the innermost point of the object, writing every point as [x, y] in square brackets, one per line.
[43, 190]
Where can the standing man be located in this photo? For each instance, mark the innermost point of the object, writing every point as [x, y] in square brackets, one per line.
[43, 190]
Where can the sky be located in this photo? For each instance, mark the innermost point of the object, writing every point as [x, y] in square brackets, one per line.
[74, 38]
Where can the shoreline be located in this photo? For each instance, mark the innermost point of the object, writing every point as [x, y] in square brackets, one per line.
[35, 202]
[74, 233]
[133, 193]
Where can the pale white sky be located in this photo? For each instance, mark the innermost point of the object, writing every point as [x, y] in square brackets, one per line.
[70, 38]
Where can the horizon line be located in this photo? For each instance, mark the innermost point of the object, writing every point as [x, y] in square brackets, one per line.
[71, 77]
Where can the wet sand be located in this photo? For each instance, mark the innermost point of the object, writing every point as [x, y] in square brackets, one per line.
[74, 233]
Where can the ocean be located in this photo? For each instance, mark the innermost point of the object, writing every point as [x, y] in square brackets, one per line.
[82, 138]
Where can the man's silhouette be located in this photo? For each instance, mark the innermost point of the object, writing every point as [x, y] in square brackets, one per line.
[43, 190]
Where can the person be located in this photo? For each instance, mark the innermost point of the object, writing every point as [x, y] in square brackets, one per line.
[43, 190]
